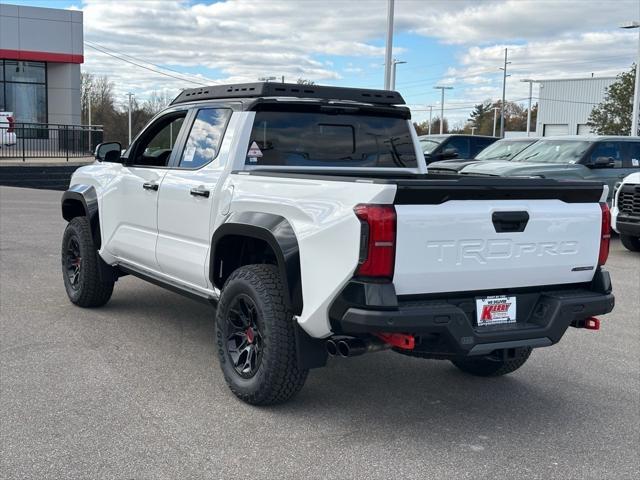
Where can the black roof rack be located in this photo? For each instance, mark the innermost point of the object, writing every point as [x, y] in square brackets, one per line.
[272, 89]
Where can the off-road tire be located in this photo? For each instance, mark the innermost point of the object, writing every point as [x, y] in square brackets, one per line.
[630, 243]
[91, 290]
[486, 367]
[278, 377]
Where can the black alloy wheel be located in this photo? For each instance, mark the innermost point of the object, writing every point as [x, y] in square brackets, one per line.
[245, 341]
[73, 261]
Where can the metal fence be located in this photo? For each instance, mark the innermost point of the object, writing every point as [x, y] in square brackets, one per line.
[47, 140]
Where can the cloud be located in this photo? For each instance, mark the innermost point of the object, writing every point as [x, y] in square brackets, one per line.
[491, 21]
[242, 40]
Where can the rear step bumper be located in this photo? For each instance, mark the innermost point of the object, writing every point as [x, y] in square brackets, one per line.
[448, 326]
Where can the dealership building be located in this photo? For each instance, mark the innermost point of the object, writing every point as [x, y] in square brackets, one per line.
[564, 105]
[41, 50]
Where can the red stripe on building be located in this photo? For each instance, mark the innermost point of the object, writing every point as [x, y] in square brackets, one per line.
[40, 56]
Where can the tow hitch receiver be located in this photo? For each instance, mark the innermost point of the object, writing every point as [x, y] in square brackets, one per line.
[591, 323]
[398, 340]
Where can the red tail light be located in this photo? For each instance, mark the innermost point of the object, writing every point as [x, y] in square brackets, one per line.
[378, 240]
[605, 234]
[11, 124]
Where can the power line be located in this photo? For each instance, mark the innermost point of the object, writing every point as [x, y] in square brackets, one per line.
[92, 44]
[147, 68]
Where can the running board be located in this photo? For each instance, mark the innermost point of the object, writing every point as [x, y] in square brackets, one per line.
[174, 287]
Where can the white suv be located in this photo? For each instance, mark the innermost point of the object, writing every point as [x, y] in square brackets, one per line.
[307, 216]
[7, 129]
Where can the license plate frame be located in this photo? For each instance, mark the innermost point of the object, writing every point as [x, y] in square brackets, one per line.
[496, 310]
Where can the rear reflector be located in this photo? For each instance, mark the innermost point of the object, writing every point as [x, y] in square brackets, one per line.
[605, 234]
[378, 240]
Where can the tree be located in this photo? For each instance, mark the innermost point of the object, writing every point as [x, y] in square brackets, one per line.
[157, 101]
[613, 115]
[435, 126]
[481, 118]
[304, 81]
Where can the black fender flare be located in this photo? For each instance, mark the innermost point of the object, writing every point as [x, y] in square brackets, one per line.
[277, 232]
[86, 197]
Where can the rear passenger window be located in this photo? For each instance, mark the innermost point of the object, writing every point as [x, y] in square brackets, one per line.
[632, 159]
[205, 137]
[316, 139]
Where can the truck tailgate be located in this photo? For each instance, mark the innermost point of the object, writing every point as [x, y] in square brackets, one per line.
[493, 238]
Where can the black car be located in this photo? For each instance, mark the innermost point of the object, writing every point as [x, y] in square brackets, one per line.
[504, 149]
[442, 147]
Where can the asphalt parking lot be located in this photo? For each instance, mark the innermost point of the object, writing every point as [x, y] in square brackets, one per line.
[133, 390]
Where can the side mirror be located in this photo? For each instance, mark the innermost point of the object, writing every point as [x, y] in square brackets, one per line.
[602, 162]
[449, 153]
[108, 152]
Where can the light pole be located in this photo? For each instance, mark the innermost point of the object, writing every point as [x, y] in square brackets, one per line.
[504, 89]
[388, 51]
[393, 73]
[442, 89]
[636, 91]
[529, 111]
[473, 130]
[495, 119]
[130, 95]
[430, 115]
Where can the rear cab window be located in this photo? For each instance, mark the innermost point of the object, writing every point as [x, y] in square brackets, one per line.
[334, 139]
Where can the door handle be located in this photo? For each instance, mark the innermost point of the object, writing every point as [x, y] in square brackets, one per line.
[150, 186]
[509, 222]
[199, 192]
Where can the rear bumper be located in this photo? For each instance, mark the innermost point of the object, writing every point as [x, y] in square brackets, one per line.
[447, 326]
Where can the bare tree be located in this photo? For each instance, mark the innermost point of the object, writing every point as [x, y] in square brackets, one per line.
[157, 101]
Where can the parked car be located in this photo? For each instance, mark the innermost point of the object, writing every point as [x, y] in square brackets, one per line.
[502, 150]
[7, 129]
[307, 217]
[442, 147]
[607, 159]
[625, 213]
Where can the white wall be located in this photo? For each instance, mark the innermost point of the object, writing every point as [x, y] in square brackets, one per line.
[569, 102]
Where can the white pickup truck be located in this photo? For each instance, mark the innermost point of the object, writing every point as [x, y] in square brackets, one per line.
[306, 215]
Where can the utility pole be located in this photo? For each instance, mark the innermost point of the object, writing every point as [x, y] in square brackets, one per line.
[504, 89]
[473, 130]
[282, 78]
[393, 73]
[89, 115]
[430, 114]
[529, 111]
[495, 119]
[636, 91]
[388, 52]
[130, 95]
[442, 89]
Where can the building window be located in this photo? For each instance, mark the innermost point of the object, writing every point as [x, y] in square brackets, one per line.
[23, 90]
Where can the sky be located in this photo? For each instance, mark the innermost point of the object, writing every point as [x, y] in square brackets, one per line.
[457, 43]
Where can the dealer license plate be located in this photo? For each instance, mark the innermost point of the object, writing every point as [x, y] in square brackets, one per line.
[495, 310]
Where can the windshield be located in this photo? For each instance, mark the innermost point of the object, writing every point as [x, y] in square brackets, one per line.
[316, 139]
[503, 150]
[553, 151]
[428, 145]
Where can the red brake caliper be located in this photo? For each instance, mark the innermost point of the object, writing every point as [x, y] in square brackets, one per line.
[250, 335]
